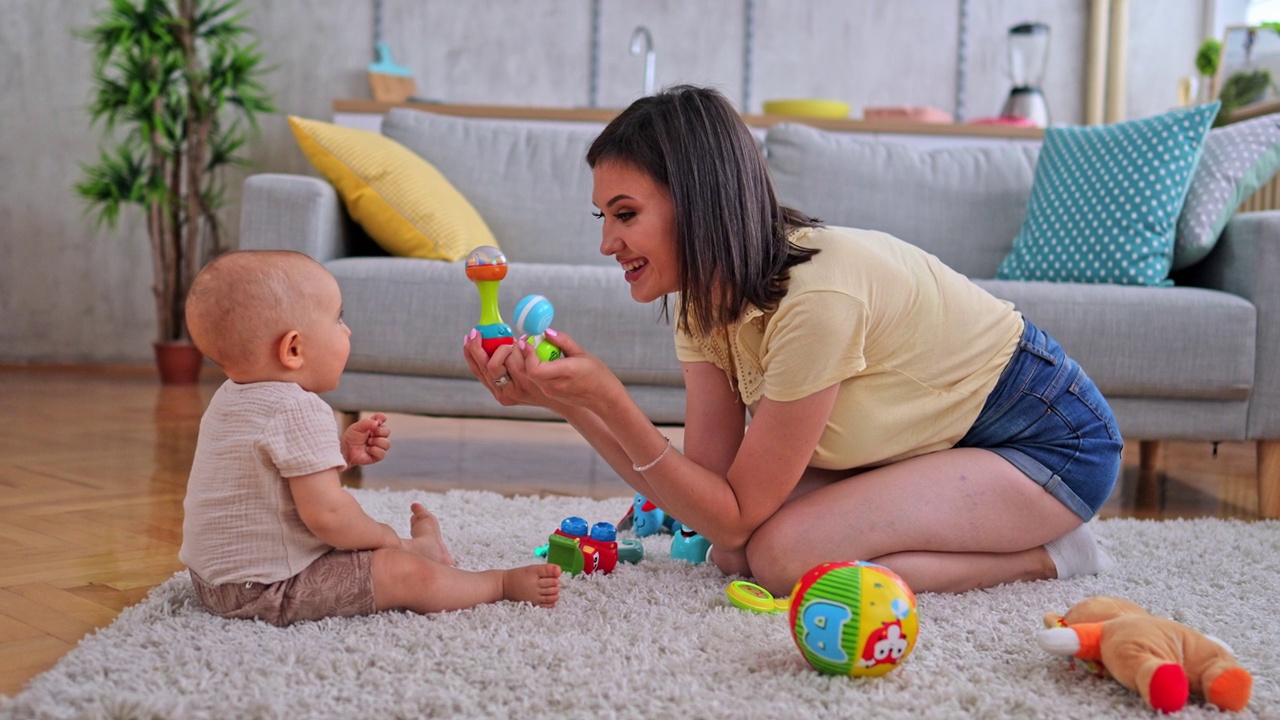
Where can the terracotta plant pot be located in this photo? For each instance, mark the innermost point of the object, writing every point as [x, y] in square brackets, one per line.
[178, 362]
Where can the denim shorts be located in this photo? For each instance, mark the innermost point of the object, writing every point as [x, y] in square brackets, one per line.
[1047, 418]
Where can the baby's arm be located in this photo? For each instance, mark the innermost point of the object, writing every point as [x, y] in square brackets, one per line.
[333, 514]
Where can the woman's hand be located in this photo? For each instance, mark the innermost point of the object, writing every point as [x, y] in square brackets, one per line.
[503, 374]
[576, 378]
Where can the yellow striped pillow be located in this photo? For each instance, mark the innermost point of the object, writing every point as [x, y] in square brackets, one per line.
[401, 200]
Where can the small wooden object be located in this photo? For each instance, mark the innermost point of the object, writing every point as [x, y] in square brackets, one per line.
[388, 81]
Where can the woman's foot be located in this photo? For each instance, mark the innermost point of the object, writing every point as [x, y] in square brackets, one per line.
[1078, 553]
[427, 541]
[537, 584]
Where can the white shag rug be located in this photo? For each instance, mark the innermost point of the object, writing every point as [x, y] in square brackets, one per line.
[656, 640]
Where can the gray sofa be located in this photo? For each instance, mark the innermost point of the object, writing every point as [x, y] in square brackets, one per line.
[1197, 361]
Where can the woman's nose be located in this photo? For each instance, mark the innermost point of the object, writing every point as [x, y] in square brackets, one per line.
[609, 244]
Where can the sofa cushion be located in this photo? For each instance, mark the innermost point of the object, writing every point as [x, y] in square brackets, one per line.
[528, 179]
[1105, 203]
[1238, 159]
[410, 316]
[1137, 342]
[963, 204]
[400, 200]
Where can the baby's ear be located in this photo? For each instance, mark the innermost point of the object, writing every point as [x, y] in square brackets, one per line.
[289, 350]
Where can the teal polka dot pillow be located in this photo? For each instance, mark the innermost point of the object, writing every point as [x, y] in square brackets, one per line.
[1105, 200]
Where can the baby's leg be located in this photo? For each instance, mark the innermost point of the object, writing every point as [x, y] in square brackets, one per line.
[406, 581]
[427, 541]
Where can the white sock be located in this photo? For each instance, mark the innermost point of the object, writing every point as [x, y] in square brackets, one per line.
[1078, 553]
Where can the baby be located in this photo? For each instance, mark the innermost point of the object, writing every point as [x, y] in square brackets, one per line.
[269, 532]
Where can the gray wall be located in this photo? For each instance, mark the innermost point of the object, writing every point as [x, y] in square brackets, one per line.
[70, 292]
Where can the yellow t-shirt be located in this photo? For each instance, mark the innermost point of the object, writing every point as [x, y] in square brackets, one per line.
[915, 347]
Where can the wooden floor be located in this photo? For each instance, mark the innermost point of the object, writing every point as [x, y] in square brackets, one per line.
[93, 465]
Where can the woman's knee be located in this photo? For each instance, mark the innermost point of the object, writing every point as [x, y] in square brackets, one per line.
[773, 554]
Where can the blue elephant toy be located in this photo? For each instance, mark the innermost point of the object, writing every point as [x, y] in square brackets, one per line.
[646, 518]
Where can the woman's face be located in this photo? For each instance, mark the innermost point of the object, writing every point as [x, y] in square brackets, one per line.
[639, 228]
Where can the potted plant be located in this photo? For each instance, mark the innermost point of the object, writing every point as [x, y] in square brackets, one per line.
[177, 87]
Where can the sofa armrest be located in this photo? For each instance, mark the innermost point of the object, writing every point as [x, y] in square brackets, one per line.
[1246, 262]
[293, 212]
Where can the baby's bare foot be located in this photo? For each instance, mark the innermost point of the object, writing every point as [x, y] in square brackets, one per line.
[427, 540]
[537, 584]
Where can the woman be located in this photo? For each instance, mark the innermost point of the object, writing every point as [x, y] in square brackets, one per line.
[899, 413]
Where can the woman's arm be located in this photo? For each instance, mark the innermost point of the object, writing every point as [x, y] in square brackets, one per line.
[520, 390]
[724, 505]
[335, 516]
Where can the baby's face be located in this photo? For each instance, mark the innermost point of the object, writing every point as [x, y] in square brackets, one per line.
[326, 339]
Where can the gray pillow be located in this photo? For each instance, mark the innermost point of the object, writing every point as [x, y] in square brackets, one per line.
[963, 203]
[528, 179]
[1237, 160]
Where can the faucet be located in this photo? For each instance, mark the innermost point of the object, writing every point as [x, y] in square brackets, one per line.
[642, 42]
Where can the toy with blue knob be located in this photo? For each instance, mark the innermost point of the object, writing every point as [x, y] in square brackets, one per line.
[577, 548]
[533, 316]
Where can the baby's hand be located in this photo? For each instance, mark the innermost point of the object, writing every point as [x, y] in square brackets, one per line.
[366, 441]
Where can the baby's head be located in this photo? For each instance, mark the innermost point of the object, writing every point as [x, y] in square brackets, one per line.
[270, 315]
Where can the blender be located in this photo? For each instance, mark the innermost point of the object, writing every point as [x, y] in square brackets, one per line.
[1028, 55]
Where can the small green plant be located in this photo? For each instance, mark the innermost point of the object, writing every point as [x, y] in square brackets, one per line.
[1207, 57]
[177, 87]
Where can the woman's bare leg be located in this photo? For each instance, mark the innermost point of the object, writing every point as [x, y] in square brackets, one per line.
[949, 521]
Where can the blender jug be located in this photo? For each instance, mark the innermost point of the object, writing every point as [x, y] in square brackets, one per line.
[1028, 56]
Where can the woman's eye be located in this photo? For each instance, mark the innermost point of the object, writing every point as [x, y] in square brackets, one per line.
[598, 215]
[625, 216]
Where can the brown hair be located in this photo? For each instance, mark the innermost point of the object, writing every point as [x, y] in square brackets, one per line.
[731, 232]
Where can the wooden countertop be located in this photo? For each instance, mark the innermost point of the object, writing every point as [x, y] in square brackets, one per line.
[604, 115]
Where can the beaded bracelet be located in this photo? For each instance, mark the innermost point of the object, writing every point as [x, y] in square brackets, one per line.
[665, 450]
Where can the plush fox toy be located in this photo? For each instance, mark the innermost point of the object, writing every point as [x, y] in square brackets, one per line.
[1160, 659]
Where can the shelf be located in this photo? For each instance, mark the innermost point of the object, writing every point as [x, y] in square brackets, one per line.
[604, 115]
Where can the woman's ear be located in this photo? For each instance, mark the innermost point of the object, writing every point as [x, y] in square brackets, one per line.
[289, 351]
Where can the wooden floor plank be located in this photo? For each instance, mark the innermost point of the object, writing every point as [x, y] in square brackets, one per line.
[24, 659]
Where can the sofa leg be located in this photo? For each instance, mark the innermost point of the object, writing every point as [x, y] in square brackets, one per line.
[351, 477]
[1269, 479]
[1150, 457]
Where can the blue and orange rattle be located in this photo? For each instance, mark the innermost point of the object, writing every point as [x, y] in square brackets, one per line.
[486, 266]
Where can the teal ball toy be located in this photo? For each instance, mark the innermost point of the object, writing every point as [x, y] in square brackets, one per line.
[533, 316]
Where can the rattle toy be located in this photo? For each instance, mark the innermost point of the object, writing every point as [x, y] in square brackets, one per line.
[577, 549]
[853, 618]
[1162, 660]
[533, 316]
[486, 266]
